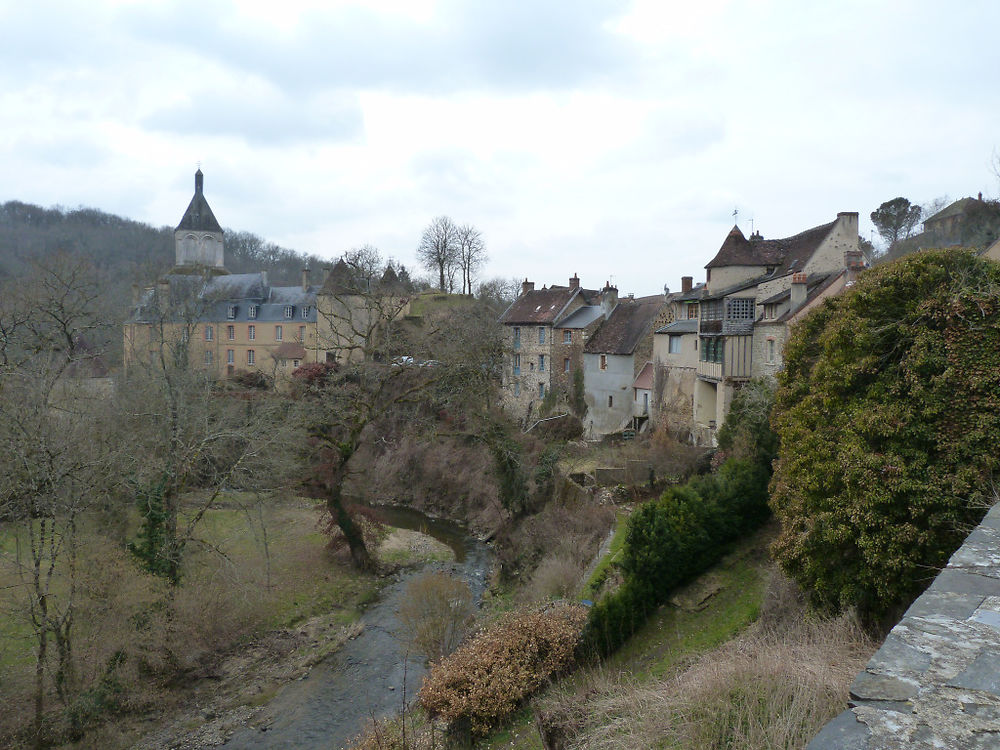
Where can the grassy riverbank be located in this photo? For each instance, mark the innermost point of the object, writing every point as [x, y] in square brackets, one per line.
[260, 600]
[732, 661]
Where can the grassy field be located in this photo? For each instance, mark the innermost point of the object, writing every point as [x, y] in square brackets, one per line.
[254, 565]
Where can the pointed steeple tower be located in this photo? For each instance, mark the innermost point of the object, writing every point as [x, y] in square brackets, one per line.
[198, 239]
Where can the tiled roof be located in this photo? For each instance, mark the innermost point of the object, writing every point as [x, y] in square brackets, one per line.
[644, 380]
[952, 209]
[539, 306]
[628, 323]
[290, 350]
[786, 254]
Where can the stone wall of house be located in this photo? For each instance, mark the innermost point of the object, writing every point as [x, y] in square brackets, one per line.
[935, 682]
[521, 395]
[761, 366]
[829, 256]
[673, 399]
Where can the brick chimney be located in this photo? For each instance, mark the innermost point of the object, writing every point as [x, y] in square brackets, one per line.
[854, 262]
[527, 286]
[687, 283]
[799, 281]
[305, 279]
[609, 299]
[574, 282]
[324, 274]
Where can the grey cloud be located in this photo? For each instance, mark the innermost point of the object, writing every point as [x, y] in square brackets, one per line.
[274, 118]
[469, 46]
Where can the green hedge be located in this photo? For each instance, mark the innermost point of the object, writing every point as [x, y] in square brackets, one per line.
[674, 539]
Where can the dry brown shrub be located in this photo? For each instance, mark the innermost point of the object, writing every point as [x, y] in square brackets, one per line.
[391, 734]
[556, 577]
[574, 530]
[436, 612]
[773, 687]
[486, 679]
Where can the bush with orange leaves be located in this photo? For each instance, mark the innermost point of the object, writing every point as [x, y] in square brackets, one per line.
[488, 677]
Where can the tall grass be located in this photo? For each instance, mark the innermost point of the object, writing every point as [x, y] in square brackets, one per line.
[773, 687]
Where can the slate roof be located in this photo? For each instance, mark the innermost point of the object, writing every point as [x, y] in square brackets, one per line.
[199, 216]
[582, 317]
[540, 306]
[212, 299]
[785, 255]
[628, 323]
[680, 327]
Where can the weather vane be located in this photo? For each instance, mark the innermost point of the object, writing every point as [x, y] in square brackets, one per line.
[736, 212]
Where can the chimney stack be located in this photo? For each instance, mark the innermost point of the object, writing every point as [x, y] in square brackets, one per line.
[305, 279]
[609, 299]
[574, 282]
[527, 286]
[798, 291]
[687, 283]
[136, 294]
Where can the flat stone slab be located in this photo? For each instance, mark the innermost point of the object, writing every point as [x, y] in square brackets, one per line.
[935, 682]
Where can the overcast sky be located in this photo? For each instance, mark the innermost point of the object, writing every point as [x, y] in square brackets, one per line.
[609, 139]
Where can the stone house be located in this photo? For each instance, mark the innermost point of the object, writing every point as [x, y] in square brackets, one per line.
[537, 348]
[201, 316]
[615, 357]
[675, 360]
[742, 315]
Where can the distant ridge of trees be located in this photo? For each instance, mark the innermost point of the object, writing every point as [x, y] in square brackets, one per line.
[124, 251]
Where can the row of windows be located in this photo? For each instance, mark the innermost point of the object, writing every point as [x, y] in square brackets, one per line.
[289, 311]
[231, 357]
[541, 364]
[567, 336]
[279, 333]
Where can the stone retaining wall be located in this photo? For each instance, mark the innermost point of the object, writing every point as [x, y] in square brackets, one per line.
[935, 682]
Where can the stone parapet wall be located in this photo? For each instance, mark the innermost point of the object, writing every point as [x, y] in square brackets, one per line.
[935, 682]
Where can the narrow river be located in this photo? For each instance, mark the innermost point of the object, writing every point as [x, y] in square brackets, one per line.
[365, 677]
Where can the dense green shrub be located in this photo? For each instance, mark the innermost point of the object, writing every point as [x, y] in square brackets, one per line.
[747, 431]
[672, 540]
[888, 412]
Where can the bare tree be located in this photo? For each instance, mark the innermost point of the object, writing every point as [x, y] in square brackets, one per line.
[52, 456]
[498, 292]
[471, 254]
[359, 308]
[439, 250]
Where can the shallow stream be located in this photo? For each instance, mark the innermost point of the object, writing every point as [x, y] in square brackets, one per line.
[365, 678]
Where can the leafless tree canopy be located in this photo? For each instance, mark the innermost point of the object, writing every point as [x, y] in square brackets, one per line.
[439, 250]
[471, 254]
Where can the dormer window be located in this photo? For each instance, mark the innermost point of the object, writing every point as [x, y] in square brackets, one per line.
[289, 312]
[231, 312]
[305, 312]
[252, 312]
